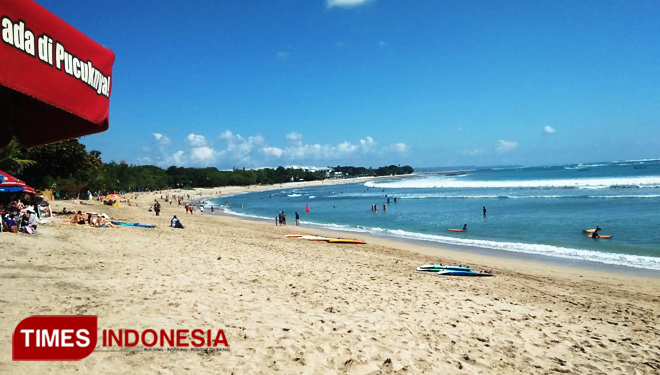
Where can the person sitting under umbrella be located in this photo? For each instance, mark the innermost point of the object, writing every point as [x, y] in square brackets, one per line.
[30, 221]
[9, 223]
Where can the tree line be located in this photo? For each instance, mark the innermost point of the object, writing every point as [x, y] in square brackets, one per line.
[69, 168]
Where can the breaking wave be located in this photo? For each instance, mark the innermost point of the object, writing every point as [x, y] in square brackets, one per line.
[583, 183]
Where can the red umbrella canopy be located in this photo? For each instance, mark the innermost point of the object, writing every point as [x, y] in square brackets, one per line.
[55, 82]
[9, 183]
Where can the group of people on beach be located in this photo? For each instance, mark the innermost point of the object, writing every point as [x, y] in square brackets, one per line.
[191, 208]
[90, 218]
[20, 216]
[17, 219]
[280, 219]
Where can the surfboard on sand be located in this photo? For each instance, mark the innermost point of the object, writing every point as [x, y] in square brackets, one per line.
[440, 267]
[463, 273]
[133, 224]
[345, 240]
[311, 238]
[321, 238]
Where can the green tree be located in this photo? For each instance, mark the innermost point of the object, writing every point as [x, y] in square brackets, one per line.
[66, 163]
[12, 158]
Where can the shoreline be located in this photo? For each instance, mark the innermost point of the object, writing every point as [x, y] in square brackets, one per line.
[468, 250]
[483, 258]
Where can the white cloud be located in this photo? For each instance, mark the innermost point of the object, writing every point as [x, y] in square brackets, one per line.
[346, 148]
[177, 158]
[294, 139]
[382, 44]
[227, 134]
[272, 151]
[315, 151]
[200, 150]
[549, 129]
[240, 149]
[202, 154]
[236, 150]
[400, 148]
[506, 146]
[161, 139]
[367, 144]
[345, 3]
[258, 140]
[196, 140]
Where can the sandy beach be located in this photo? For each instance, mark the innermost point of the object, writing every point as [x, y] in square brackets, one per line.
[292, 306]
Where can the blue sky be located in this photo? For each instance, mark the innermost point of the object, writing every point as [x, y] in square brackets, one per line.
[427, 83]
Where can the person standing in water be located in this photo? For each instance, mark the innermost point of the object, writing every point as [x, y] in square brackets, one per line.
[484, 211]
[297, 219]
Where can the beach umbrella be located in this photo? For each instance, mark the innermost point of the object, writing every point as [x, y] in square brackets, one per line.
[55, 82]
[11, 184]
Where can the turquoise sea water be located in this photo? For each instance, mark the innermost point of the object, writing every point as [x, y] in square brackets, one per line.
[535, 210]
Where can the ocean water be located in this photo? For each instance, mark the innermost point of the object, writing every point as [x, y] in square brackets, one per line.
[537, 210]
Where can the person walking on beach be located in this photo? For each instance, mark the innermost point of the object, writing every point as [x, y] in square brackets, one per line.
[484, 211]
[297, 219]
[201, 209]
[157, 208]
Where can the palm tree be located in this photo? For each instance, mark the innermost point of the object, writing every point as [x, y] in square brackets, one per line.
[10, 160]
